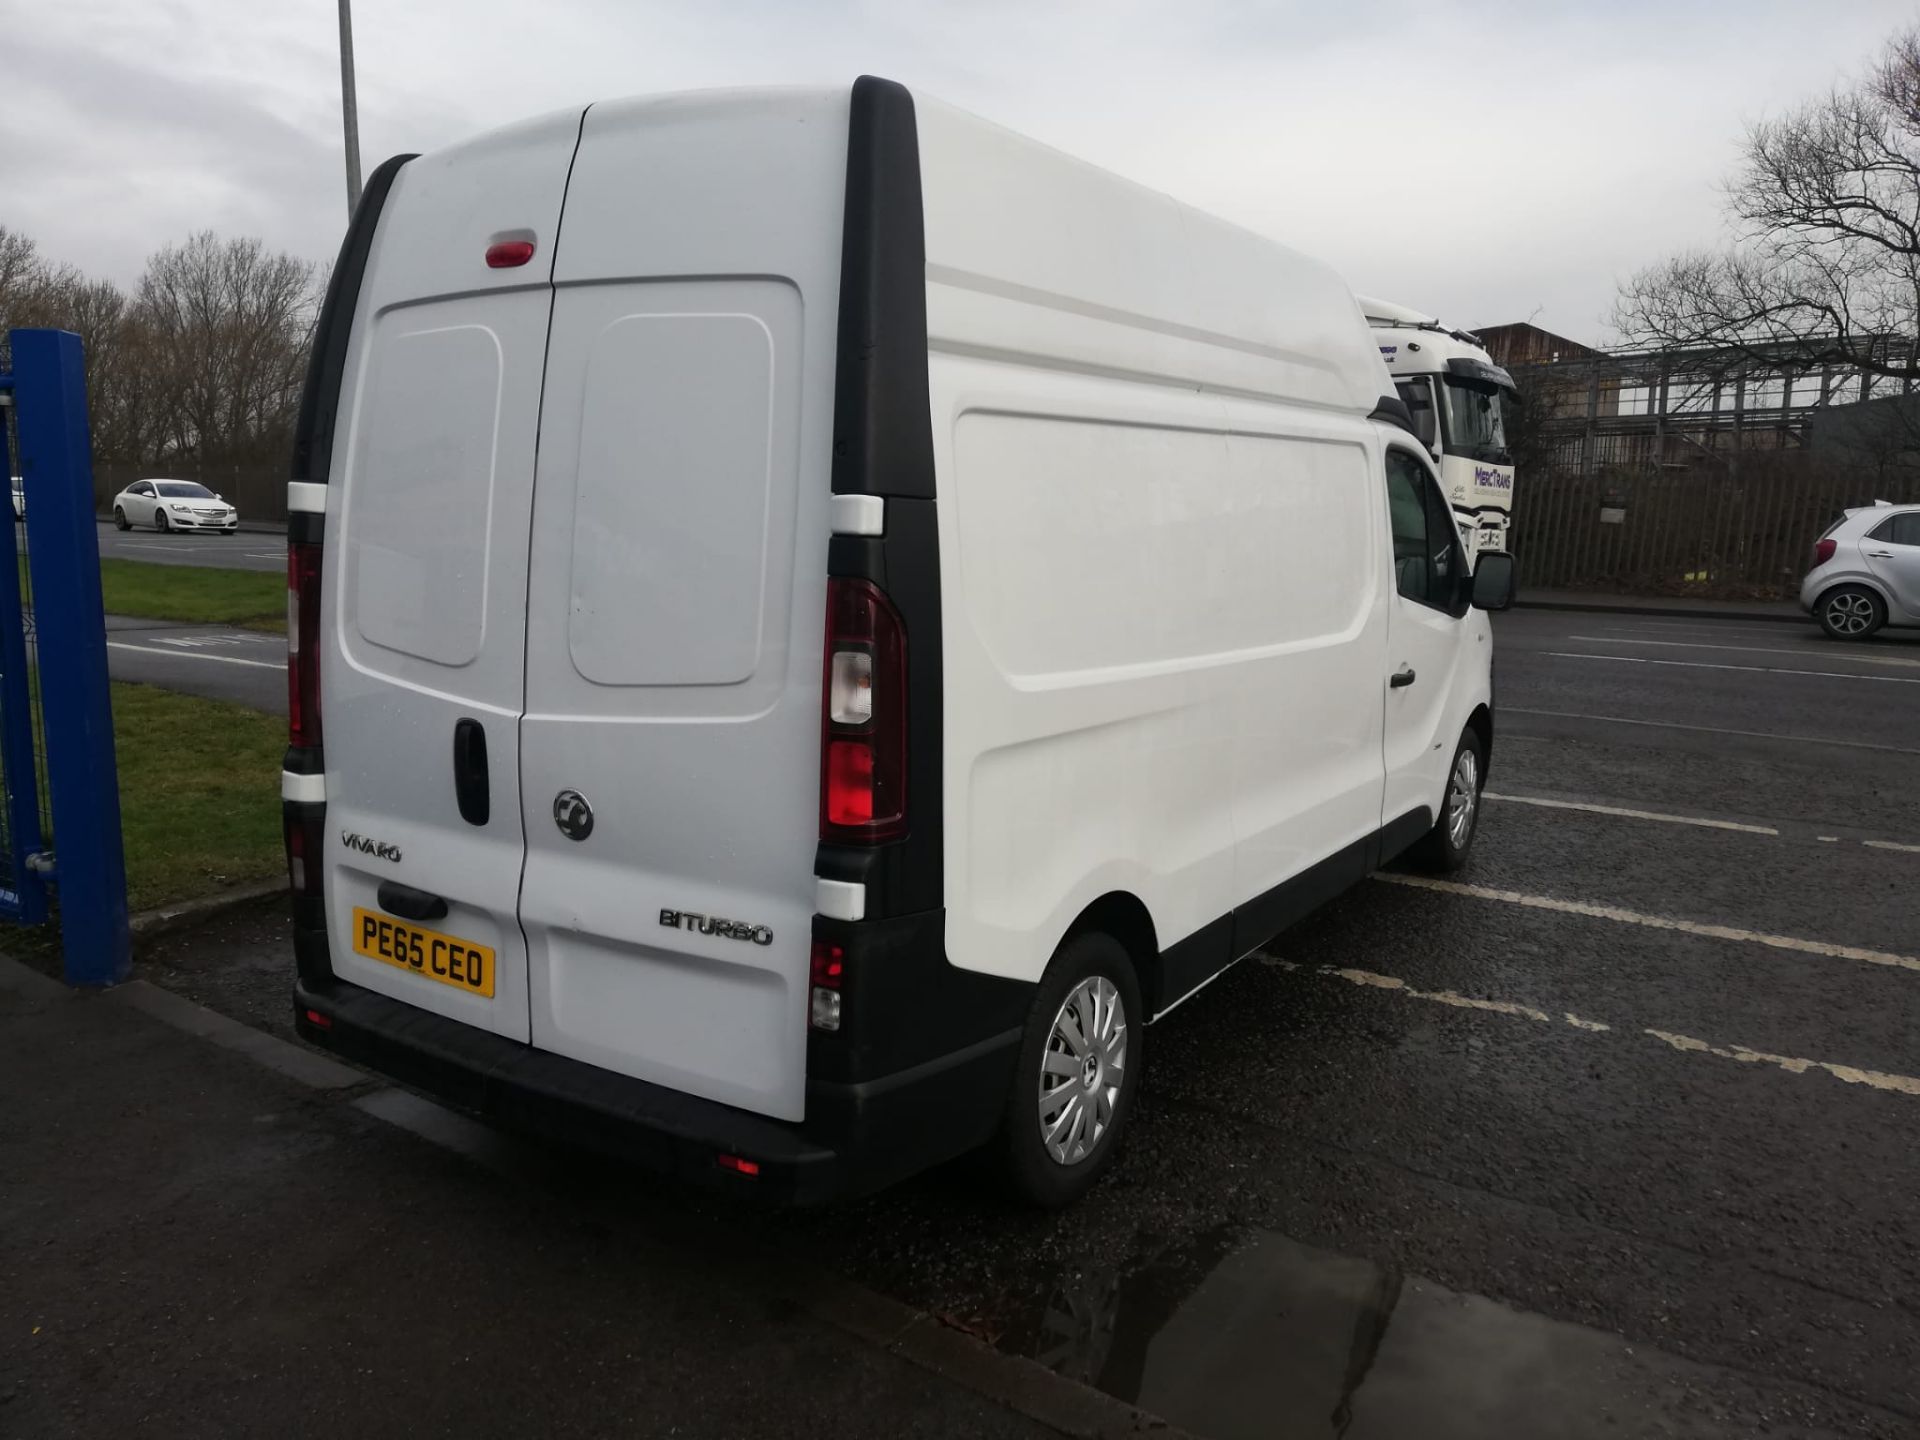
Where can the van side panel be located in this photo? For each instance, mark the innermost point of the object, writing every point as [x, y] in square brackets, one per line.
[1164, 615]
[677, 596]
[424, 579]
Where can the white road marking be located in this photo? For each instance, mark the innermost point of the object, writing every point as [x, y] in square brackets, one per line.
[1622, 812]
[196, 655]
[1685, 1044]
[1751, 669]
[1626, 814]
[1653, 922]
[196, 642]
[1853, 1075]
[1749, 649]
[1709, 730]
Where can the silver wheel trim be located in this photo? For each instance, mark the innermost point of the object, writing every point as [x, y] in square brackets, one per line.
[1850, 613]
[1463, 798]
[1082, 1070]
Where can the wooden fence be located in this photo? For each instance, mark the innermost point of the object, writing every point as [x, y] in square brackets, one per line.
[258, 493]
[1741, 533]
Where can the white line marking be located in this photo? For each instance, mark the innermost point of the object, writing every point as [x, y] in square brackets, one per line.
[1891, 845]
[1709, 730]
[1626, 814]
[1751, 669]
[1803, 650]
[1878, 1079]
[1686, 1044]
[196, 655]
[1653, 922]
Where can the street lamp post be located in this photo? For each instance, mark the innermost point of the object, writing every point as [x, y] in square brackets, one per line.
[349, 106]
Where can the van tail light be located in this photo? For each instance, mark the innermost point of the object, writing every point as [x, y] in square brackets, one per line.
[304, 829]
[827, 968]
[1823, 550]
[863, 731]
[303, 646]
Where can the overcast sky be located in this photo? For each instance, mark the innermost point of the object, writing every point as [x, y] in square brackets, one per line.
[1488, 162]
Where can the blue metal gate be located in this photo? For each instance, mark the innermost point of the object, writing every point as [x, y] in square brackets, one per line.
[59, 786]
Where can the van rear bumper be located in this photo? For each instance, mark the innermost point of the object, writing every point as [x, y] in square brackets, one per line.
[864, 1136]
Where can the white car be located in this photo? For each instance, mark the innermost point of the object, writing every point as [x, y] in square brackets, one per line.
[1866, 572]
[173, 505]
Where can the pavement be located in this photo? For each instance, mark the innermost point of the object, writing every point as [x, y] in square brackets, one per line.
[205, 1230]
[1608, 1134]
[1681, 606]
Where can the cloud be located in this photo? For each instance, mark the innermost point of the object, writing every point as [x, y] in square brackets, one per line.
[1484, 161]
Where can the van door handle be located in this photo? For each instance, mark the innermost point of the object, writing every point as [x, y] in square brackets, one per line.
[1402, 678]
[409, 903]
[1881, 554]
[470, 787]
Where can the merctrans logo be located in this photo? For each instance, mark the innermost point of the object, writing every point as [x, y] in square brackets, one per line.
[1487, 478]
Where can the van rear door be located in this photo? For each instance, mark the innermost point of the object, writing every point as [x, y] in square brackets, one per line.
[670, 751]
[424, 582]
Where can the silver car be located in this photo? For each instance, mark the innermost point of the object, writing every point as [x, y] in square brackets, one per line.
[1866, 572]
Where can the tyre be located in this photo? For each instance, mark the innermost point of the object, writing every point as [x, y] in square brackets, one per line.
[1077, 1074]
[120, 519]
[1444, 848]
[1850, 612]
[160, 521]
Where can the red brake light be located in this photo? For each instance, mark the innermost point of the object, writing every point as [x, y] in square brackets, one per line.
[828, 964]
[508, 253]
[319, 1021]
[863, 763]
[738, 1165]
[1823, 551]
[303, 646]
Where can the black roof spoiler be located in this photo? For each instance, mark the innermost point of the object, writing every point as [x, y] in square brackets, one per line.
[1392, 410]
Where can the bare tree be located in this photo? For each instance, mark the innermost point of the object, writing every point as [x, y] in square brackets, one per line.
[225, 331]
[1824, 268]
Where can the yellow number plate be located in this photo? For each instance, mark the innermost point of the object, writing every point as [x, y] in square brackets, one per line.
[445, 958]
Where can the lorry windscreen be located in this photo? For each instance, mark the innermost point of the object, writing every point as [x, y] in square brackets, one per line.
[1476, 420]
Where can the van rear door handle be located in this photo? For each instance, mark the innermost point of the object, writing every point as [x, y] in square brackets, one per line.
[470, 787]
[1881, 554]
[1402, 678]
[409, 903]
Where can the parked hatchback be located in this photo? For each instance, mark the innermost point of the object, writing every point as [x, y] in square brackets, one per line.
[1866, 572]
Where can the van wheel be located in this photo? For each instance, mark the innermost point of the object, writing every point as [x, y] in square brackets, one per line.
[1851, 612]
[1078, 1072]
[120, 519]
[1443, 849]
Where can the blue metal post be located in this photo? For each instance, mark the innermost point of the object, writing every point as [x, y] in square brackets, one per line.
[28, 903]
[56, 462]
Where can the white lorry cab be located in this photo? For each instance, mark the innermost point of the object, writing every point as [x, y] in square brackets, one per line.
[815, 619]
[1460, 402]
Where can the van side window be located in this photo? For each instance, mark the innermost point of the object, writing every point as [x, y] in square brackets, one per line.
[1427, 560]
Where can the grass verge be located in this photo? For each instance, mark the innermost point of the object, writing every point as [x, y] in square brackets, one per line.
[195, 595]
[199, 793]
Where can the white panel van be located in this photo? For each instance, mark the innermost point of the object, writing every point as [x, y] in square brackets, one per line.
[814, 619]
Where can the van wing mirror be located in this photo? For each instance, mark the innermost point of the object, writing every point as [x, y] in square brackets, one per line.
[1493, 580]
